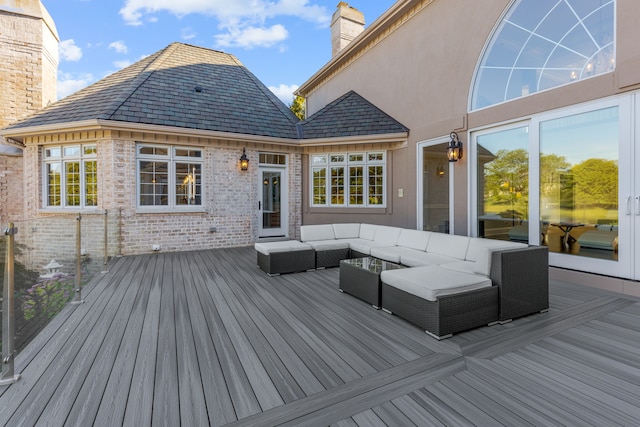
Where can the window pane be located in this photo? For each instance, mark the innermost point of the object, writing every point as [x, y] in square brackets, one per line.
[356, 185]
[579, 183]
[319, 186]
[359, 157]
[89, 150]
[187, 152]
[337, 186]
[376, 185]
[337, 158]
[52, 152]
[376, 157]
[318, 159]
[503, 184]
[154, 183]
[53, 184]
[272, 159]
[91, 183]
[188, 184]
[542, 44]
[72, 151]
[72, 183]
[156, 151]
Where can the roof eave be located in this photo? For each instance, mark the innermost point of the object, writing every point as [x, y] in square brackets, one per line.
[393, 138]
[19, 134]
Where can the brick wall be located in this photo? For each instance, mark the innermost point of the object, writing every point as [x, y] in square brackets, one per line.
[230, 202]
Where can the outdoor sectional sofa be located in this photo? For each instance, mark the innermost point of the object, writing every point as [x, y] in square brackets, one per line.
[451, 283]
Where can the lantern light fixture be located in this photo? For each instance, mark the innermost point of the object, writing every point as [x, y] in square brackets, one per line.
[454, 150]
[244, 160]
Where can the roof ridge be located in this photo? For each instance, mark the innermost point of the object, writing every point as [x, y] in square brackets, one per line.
[265, 90]
[330, 106]
[139, 79]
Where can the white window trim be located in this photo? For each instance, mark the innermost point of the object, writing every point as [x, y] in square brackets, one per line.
[365, 163]
[82, 158]
[171, 158]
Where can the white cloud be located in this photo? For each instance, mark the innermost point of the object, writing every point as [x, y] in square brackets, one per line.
[69, 83]
[187, 33]
[119, 46]
[69, 51]
[253, 37]
[122, 64]
[284, 92]
[242, 21]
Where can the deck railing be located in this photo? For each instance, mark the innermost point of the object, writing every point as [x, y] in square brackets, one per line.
[45, 264]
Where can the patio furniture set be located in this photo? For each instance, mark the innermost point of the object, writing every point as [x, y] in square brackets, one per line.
[442, 283]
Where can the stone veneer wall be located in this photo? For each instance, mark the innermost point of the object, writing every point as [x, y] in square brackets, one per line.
[230, 205]
[11, 178]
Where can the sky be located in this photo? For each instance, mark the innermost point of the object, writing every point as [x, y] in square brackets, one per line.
[282, 42]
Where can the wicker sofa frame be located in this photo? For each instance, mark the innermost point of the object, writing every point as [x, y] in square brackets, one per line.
[520, 287]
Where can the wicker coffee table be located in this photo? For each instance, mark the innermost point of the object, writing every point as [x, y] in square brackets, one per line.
[360, 277]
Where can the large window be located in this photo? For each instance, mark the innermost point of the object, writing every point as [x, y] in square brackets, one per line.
[348, 179]
[503, 184]
[169, 177]
[71, 176]
[541, 44]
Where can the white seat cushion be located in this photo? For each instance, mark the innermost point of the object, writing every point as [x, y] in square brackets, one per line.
[347, 231]
[268, 248]
[328, 245]
[419, 258]
[429, 283]
[316, 232]
[389, 253]
[363, 246]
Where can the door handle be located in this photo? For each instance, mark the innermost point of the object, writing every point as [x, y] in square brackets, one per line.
[259, 205]
[628, 209]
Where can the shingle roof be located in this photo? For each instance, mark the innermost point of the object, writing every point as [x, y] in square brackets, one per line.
[180, 86]
[349, 115]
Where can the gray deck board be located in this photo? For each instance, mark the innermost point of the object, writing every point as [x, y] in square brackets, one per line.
[206, 338]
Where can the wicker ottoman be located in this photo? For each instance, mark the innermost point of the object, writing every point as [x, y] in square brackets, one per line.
[285, 257]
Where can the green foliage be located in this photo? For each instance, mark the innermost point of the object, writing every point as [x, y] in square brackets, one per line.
[46, 298]
[596, 182]
[298, 106]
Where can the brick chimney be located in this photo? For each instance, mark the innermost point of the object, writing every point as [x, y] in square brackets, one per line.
[346, 24]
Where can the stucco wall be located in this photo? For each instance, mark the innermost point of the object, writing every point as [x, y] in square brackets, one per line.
[421, 73]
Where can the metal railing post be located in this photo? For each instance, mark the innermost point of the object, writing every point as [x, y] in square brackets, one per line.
[106, 246]
[8, 322]
[78, 298]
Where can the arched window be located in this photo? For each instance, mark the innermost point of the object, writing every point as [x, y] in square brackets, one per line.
[541, 44]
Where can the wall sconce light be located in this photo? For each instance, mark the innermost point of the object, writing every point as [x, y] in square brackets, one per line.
[244, 160]
[454, 150]
[440, 171]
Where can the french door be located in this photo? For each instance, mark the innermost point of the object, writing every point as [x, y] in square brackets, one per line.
[434, 187]
[272, 202]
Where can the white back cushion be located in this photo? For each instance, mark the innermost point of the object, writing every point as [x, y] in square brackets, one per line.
[476, 245]
[316, 232]
[387, 235]
[346, 231]
[484, 257]
[414, 239]
[367, 231]
[448, 244]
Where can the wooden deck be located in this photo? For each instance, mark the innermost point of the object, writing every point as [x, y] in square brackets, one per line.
[206, 338]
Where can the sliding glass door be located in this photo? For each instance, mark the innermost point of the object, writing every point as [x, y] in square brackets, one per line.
[563, 179]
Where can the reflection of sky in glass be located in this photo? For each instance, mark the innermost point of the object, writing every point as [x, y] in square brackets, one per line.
[592, 135]
[511, 139]
[542, 44]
